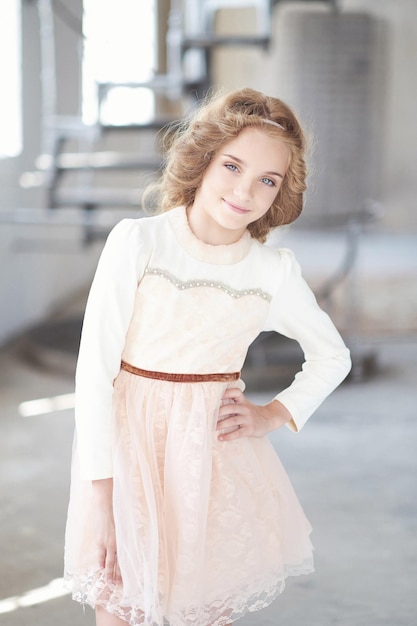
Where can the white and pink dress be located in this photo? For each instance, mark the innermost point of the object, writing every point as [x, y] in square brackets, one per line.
[206, 530]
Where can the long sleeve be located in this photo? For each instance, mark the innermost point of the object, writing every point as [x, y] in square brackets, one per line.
[295, 313]
[108, 313]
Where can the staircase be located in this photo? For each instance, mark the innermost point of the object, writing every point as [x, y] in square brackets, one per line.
[107, 166]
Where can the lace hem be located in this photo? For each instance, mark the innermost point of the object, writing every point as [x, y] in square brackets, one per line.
[90, 588]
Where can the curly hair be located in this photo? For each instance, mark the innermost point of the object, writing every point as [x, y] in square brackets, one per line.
[191, 144]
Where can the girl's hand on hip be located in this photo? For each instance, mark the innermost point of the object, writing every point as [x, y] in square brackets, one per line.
[238, 417]
[105, 530]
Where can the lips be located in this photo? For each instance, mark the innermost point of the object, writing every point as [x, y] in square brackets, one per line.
[237, 209]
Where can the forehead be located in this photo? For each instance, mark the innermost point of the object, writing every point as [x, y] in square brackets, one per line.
[258, 148]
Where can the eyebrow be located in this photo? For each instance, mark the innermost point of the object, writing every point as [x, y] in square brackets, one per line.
[235, 158]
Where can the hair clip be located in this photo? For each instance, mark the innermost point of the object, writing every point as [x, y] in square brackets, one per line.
[273, 123]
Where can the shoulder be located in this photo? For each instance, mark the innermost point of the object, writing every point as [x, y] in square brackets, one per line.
[281, 260]
[146, 224]
[125, 229]
[137, 230]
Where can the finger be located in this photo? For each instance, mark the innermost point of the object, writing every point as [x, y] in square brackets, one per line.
[232, 435]
[233, 393]
[117, 575]
[228, 422]
[229, 410]
[101, 556]
[110, 566]
[231, 421]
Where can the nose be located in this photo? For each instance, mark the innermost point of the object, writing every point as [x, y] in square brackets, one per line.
[243, 189]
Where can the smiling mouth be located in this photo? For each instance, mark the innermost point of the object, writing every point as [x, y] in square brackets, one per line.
[235, 208]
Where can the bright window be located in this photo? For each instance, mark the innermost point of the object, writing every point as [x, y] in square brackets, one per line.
[119, 47]
[10, 79]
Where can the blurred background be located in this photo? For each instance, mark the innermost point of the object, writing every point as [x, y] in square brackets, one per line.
[86, 89]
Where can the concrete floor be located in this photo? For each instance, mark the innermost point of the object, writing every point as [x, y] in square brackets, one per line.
[354, 467]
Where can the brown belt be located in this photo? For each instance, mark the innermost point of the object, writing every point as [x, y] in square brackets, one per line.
[181, 378]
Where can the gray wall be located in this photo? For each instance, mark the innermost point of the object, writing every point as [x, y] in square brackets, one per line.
[264, 71]
[400, 180]
[41, 265]
[34, 283]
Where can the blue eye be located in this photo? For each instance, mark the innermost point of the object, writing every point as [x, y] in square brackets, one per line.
[231, 167]
[268, 182]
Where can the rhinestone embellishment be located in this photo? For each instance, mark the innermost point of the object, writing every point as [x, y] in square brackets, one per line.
[192, 284]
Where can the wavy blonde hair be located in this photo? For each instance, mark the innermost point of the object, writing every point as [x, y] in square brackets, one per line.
[190, 145]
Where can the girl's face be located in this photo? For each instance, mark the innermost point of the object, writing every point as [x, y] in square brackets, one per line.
[238, 187]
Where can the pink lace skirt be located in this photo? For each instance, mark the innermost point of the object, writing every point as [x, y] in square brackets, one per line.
[206, 530]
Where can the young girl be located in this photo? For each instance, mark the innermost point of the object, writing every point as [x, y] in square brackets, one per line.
[180, 509]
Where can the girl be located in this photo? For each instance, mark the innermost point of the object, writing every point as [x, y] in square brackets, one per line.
[180, 509]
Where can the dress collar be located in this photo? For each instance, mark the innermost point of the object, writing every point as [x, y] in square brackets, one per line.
[218, 255]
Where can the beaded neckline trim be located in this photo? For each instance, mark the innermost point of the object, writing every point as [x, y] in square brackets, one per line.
[215, 284]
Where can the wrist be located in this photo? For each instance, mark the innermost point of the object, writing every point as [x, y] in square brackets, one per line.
[278, 414]
[103, 490]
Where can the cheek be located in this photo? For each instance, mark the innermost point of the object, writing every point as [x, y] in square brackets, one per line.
[217, 180]
[263, 210]
[266, 201]
[269, 195]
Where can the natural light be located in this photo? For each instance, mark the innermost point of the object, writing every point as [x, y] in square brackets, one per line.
[55, 589]
[119, 47]
[42, 406]
[10, 78]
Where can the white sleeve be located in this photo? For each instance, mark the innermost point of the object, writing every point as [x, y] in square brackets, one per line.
[294, 312]
[107, 316]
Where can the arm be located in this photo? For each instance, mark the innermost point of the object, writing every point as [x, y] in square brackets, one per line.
[294, 313]
[105, 529]
[107, 317]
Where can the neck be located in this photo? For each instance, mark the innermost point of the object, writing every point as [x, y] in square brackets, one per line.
[209, 231]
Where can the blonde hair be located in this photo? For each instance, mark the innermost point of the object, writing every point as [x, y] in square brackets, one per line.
[191, 145]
